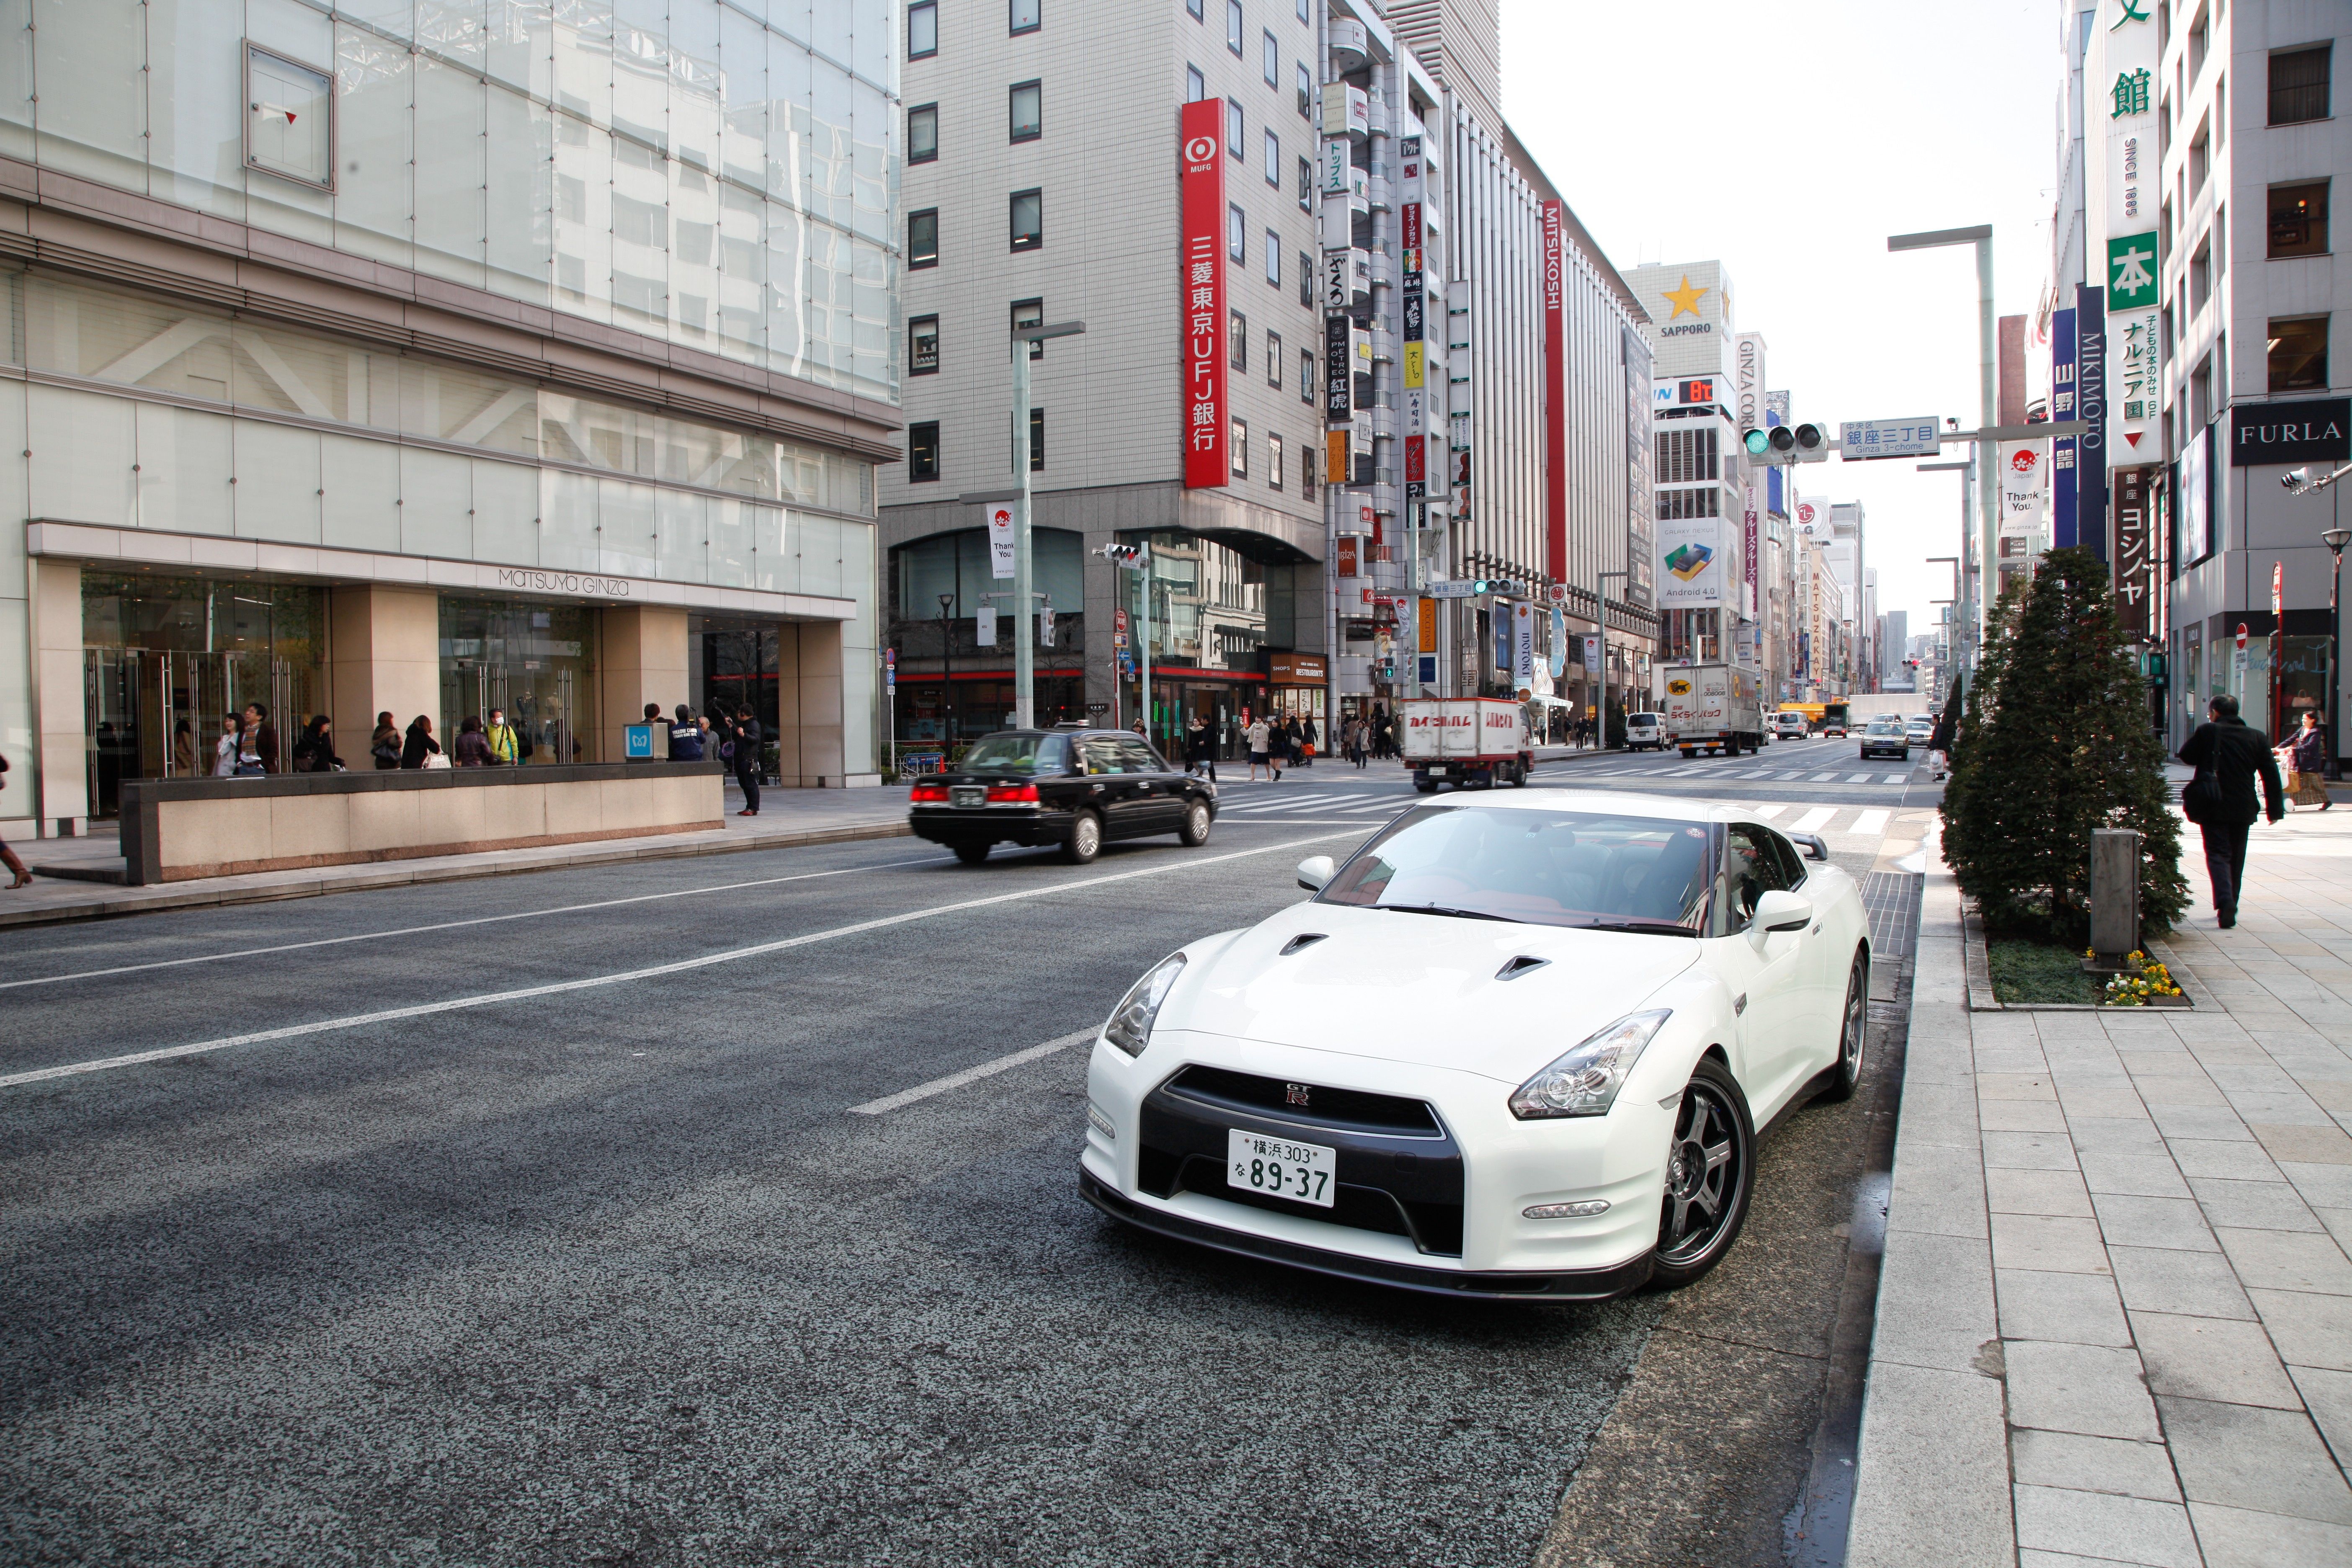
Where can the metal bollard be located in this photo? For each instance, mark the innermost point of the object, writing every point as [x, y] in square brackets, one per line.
[2115, 896]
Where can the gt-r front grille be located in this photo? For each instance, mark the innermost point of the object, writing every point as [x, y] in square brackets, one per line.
[1307, 1102]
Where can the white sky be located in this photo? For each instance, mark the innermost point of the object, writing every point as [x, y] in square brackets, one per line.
[1790, 140]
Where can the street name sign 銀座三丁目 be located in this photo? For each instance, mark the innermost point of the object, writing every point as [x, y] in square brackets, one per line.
[1862, 440]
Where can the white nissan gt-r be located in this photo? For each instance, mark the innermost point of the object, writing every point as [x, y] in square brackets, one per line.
[1518, 1046]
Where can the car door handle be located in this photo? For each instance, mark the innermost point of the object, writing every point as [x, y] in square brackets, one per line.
[1739, 1003]
[1816, 930]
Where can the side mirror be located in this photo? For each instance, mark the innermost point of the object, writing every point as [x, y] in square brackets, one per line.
[1317, 870]
[1815, 846]
[1781, 910]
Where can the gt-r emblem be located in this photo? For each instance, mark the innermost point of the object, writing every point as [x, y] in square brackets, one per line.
[1293, 1093]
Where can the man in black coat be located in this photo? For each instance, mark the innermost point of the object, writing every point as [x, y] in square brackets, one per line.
[2228, 753]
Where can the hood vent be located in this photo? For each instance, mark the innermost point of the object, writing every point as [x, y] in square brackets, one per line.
[1520, 965]
[1304, 939]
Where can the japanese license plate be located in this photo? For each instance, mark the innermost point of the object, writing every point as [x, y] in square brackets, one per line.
[968, 795]
[1303, 1173]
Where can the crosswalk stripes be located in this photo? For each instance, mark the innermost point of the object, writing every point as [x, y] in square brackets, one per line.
[1858, 778]
[1825, 778]
[1870, 822]
[1898, 778]
[1815, 820]
[1768, 812]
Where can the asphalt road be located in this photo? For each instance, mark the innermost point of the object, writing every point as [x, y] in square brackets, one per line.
[530, 1221]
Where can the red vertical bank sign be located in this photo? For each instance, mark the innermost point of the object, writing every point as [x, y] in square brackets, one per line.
[1555, 396]
[1206, 426]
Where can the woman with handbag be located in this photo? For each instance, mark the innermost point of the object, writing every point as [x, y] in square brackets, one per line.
[2229, 754]
[384, 744]
[420, 748]
[2308, 748]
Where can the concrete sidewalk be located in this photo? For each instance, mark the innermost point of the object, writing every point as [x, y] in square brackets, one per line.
[2114, 1324]
[788, 817]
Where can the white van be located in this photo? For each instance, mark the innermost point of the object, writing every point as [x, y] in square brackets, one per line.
[1645, 733]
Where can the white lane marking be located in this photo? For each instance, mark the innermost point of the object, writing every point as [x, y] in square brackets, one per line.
[1814, 820]
[1824, 778]
[1758, 774]
[461, 925]
[1797, 774]
[1858, 778]
[1768, 812]
[1898, 778]
[970, 1075]
[1870, 822]
[595, 982]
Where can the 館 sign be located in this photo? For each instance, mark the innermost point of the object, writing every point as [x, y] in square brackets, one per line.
[2318, 430]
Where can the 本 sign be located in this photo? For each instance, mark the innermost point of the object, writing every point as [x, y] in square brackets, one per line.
[1861, 440]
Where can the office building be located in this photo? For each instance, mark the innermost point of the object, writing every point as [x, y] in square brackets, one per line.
[424, 360]
[1706, 567]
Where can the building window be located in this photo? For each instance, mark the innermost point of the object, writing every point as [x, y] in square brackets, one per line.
[1673, 504]
[1274, 160]
[1196, 86]
[1030, 313]
[1274, 460]
[1028, 219]
[1302, 11]
[1239, 440]
[1237, 341]
[923, 451]
[1195, 7]
[2299, 219]
[923, 238]
[2299, 84]
[1036, 440]
[1306, 375]
[923, 133]
[1305, 280]
[923, 35]
[1234, 129]
[1685, 457]
[2299, 354]
[1274, 258]
[2200, 278]
[1236, 234]
[1022, 16]
[1270, 60]
[1274, 359]
[1306, 92]
[2200, 159]
[1028, 112]
[1306, 185]
[1233, 26]
[1307, 456]
[922, 346]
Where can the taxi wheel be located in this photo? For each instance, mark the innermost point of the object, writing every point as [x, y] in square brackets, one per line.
[1085, 841]
[973, 854]
[1195, 831]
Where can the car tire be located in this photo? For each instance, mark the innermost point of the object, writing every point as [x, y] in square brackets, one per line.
[1854, 1031]
[1425, 788]
[1195, 831]
[1520, 776]
[1710, 1174]
[973, 854]
[1085, 841]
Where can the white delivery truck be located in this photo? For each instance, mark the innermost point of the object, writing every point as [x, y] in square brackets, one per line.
[1465, 741]
[1713, 706]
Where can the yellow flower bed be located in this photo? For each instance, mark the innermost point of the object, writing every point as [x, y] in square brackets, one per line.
[2138, 989]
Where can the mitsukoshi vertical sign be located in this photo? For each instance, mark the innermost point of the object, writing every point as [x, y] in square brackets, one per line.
[1207, 421]
[1555, 400]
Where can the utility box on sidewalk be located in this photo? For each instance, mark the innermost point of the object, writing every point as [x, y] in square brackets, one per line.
[2114, 895]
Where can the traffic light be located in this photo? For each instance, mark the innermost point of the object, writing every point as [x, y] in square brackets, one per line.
[1784, 444]
[1131, 556]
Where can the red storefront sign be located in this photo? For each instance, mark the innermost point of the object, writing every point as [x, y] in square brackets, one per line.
[1416, 459]
[1202, 147]
[1348, 556]
[1555, 294]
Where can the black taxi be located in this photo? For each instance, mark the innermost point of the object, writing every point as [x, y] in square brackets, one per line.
[1074, 787]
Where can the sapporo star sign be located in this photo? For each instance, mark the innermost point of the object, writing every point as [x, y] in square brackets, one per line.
[1685, 299]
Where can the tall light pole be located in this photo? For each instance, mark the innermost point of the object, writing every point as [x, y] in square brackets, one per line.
[2336, 540]
[1601, 613]
[1988, 454]
[947, 680]
[1025, 641]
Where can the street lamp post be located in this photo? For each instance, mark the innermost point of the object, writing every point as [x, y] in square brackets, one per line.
[2335, 539]
[947, 680]
[1025, 641]
[1601, 613]
[1987, 454]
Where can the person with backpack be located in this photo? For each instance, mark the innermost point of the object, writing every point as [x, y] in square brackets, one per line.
[2228, 755]
[506, 746]
[685, 737]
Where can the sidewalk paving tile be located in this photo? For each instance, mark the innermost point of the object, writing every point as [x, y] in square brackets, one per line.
[2193, 1284]
[2029, 1151]
[2081, 1309]
[2309, 1329]
[2317, 1145]
[1934, 1301]
[1932, 1479]
[2320, 1185]
[2091, 1389]
[2242, 1455]
[2229, 1159]
[2328, 1394]
[2037, 1192]
[2048, 1242]
[2083, 1464]
[2021, 1116]
[2198, 1122]
[2252, 1206]
[2115, 1529]
[1938, 1188]
[2134, 1176]
[2287, 1261]
[2212, 1358]
[2240, 1537]
[2015, 1086]
[2115, 1134]
[2126, 1220]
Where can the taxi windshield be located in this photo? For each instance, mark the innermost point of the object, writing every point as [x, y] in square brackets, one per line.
[1019, 754]
[1887, 726]
[1543, 867]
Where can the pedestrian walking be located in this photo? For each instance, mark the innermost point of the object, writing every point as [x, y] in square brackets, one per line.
[2308, 748]
[1201, 749]
[24, 878]
[506, 746]
[224, 750]
[1306, 742]
[314, 749]
[384, 744]
[1940, 744]
[264, 736]
[420, 744]
[472, 747]
[1260, 737]
[1356, 728]
[1294, 742]
[747, 759]
[2229, 754]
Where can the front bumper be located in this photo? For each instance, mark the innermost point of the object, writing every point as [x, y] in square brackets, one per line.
[1900, 753]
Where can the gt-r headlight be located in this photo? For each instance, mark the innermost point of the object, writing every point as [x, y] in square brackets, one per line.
[1585, 1081]
[1130, 1022]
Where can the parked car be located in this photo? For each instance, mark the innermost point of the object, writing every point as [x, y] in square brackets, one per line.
[1077, 788]
[1885, 738]
[1646, 731]
[1790, 726]
[1332, 1087]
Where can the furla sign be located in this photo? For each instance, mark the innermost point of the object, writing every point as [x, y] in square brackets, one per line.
[2318, 430]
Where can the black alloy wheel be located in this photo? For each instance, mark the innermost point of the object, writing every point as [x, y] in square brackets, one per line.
[1710, 1170]
[1853, 1029]
[1195, 831]
[973, 854]
[1085, 841]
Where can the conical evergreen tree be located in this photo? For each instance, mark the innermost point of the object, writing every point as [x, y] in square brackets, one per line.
[2057, 742]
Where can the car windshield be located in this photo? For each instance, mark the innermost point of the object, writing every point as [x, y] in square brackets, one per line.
[1543, 867]
[1019, 754]
[1887, 726]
